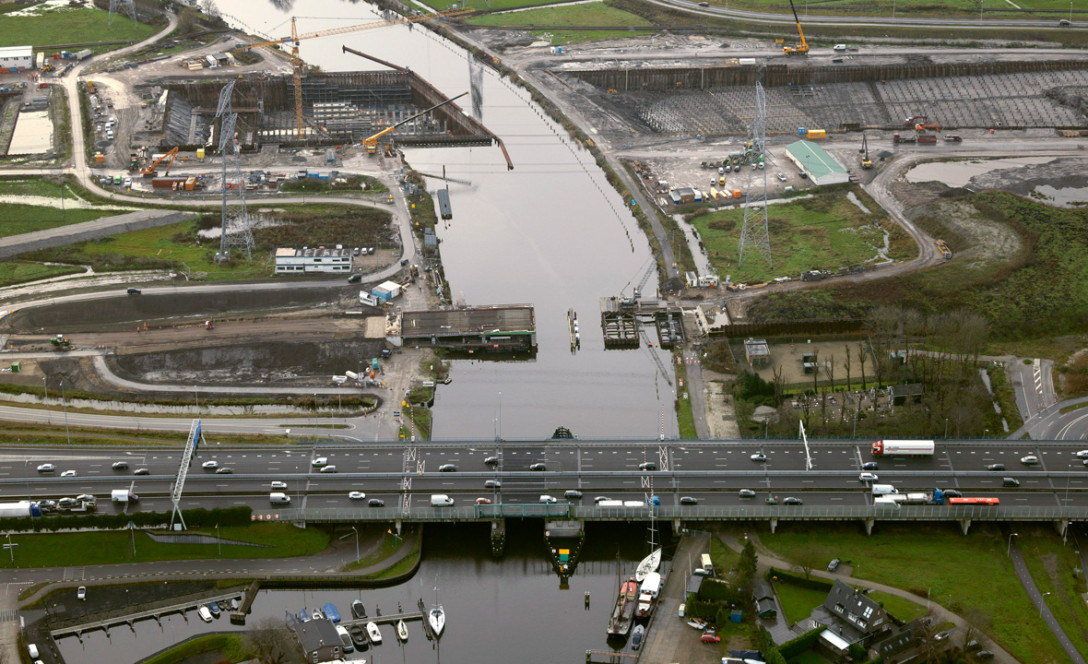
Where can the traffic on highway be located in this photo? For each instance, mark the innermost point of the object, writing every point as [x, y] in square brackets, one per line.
[683, 473]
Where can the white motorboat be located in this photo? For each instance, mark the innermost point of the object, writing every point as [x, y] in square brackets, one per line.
[648, 565]
[437, 615]
[402, 630]
[205, 613]
[374, 633]
[317, 615]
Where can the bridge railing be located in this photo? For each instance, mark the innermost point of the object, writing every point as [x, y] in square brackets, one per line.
[686, 513]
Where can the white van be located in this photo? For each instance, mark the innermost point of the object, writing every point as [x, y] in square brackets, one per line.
[279, 498]
[441, 500]
[884, 489]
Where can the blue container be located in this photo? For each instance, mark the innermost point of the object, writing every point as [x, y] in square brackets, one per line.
[559, 50]
[801, 131]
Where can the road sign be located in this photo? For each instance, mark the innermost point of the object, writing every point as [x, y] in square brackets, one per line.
[396, 413]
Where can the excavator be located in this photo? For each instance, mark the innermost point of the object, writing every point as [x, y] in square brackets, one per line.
[802, 48]
[866, 162]
[371, 142]
[149, 172]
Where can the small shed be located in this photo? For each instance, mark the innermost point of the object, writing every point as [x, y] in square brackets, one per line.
[386, 290]
[900, 394]
[833, 644]
[757, 352]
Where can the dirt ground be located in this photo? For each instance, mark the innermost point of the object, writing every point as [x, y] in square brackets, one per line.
[788, 356]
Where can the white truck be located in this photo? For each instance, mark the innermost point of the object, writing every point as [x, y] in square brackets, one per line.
[441, 500]
[884, 489]
[123, 496]
[903, 448]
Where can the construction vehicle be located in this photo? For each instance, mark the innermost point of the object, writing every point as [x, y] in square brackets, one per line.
[866, 162]
[896, 138]
[927, 126]
[953, 138]
[913, 120]
[61, 342]
[296, 61]
[371, 142]
[149, 172]
[945, 251]
[636, 292]
[799, 49]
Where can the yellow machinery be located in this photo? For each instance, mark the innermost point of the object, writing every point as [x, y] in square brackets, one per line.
[149, 172]
[296, 61]
[371, 142]
[866, 162]
[802, 48]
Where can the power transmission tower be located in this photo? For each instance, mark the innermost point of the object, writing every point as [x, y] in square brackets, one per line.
[236, 231]
[754, 235]
[116, 6]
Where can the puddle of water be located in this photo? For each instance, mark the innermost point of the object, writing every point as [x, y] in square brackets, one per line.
[1068, 197]
[959, 173]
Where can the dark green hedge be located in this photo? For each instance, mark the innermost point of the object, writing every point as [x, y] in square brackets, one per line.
[789, 577]
[195, 518]
[806, 641]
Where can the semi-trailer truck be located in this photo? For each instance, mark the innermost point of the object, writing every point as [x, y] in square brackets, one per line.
[19, 509]
[903, 448]
[914, 498]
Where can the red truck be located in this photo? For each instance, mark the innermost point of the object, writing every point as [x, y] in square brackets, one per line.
[953, 138]
[896, 138]
[927, 138]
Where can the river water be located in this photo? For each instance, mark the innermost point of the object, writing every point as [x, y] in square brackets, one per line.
[550, 233]
[497, 612]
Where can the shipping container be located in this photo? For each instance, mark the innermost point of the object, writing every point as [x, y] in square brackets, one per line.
[84, 54]
[813, 134]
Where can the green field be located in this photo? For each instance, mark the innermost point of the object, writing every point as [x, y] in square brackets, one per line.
[798, 602]
[1051, 565]
[824, 231]
[277, 540]
[971, 575]
[12, 273]
[1014, 288]
[900, 607]
[502, 5]
[20, 219]
[912, 7]
[70, 25]
[596, 14]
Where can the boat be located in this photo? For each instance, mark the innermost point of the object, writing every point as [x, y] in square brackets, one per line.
[331, 612]
[620, 622]
[317, 615]
[636, 637]
[402, 630]
[374, 633]
[358, 610]
[358, 636]
[697, 623]
[304, 615]
[345, 638]
[437, 615]
[214, 608]
[648, 565]
[204, 613]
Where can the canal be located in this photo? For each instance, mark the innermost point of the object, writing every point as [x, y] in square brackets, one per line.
[498, 611]
[551, 233]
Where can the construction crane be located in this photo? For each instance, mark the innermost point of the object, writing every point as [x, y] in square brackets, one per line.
[636, 292]
[149, 172]
[866, 162]
[296, 61]
[371, 142]
[802, 48]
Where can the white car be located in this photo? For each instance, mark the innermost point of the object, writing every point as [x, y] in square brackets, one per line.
[46, 468]
[319, 462]
[1029, 460]
[278, 485]
[839, 48]
[868, 477]
[758, 457]
[210, 465]
[1083, 454]
[781, 177]
[356, 495]
[548, 500]
[69, 473]
[81, 592]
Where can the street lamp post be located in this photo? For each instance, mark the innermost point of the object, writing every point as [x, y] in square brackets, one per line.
[1042, 601]
[356, 543]
[1008, 551]
[64, 404]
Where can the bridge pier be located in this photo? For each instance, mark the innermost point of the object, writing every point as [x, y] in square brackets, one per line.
[774, 525]
[498, 537]
[869, 526]
[965, 525]
[1061, 525]
[677, 528]
[131, 626]
[397, 524]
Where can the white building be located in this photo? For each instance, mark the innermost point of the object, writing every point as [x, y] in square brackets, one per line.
[16, 58]
[304, 260]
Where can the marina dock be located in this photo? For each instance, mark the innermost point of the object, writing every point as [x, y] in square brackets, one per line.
[572, 328]
[129, 618]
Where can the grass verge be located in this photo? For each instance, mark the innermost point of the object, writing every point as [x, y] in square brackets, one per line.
[1052, 566]
[900, 607]
[20, 272]
[275, 540]
[896, 555]
[230, 645]
[401, 567]
[685, 418]
[71, 25]
[797, 602]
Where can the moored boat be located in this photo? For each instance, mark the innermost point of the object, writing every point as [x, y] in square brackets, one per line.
[357, 609]
[205, 614]
[620, 622]
[331, 612]
[636, 637]
[214, 608]
[358, 636]
[317, 615]
[304, 615]
[648, 565]
[374, 633]
[437, 615]
[697, 623]
[402, 630]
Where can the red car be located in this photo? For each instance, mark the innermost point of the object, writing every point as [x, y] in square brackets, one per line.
[710, 638]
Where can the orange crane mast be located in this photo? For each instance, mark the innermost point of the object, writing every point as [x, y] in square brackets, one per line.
[296, 61]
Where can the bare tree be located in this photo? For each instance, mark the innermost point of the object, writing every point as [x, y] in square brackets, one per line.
[829, 372]
[849, 385]
[273, 642]
[779, 384]
[863, 354]
[808, 559]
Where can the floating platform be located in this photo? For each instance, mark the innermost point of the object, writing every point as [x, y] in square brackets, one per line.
[444, 204]
[619, 322]
[670, 327]
[572, 328]
[494, 329]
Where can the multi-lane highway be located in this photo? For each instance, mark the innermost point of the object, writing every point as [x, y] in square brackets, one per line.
[712, 473]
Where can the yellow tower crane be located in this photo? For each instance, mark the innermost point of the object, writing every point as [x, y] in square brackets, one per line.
[295, 38]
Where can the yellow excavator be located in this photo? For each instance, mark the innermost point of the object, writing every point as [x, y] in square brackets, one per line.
[371, 142]
[802, 48]
[866, 162]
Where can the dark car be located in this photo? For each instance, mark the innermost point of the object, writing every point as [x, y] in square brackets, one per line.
[493, 484]
[572, 494]
[376, 502]
[649, 465]
[133, 291]
[120, 465]
[141, 471]
[404, 261]
[792, 501]
[952, 493]
[870, 465]
[224, 471]
[1010, 482]
[355, 278]
[688, 500]
[538, 466]
[492, 460]
[746, 493]
[447, 468]
[996, 466]
[984, 654]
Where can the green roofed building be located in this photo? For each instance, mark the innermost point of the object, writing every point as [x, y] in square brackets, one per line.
[821, 167]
